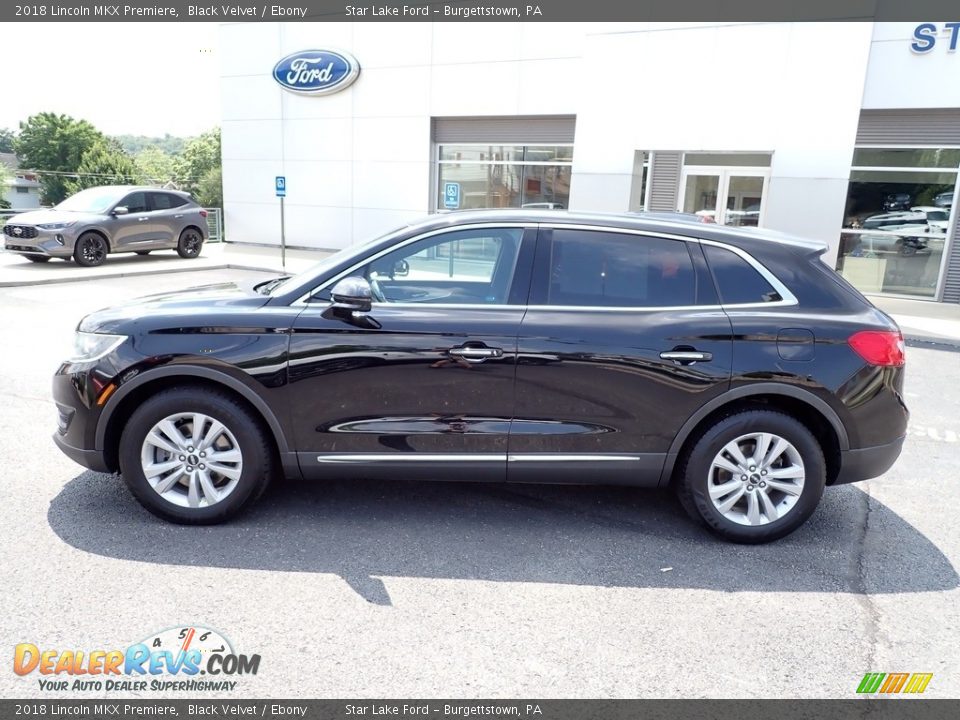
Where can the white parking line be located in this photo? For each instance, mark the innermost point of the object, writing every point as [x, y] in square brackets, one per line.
[932, 433]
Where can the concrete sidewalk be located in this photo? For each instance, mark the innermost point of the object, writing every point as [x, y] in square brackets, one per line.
[920, 320]
[923, 320]
[16, 270]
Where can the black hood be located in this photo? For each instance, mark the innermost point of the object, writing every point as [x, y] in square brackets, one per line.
[180, 309]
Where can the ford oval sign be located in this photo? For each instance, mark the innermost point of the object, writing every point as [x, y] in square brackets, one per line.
[316, 72]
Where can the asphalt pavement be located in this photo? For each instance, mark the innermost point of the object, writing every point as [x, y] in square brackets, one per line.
[351, 589]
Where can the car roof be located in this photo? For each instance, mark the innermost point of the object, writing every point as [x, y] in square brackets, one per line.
[141, 188]
[626, 221]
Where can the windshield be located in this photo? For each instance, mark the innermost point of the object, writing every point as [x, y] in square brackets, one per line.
[937, 215]
[93, 200]
[329, 262]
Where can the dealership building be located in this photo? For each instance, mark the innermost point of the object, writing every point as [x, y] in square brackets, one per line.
[844, 132]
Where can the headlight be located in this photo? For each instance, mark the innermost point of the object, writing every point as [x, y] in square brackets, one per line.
[56, 226]
[93, 346]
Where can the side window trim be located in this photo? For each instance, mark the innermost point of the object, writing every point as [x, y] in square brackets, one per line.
[309, 299]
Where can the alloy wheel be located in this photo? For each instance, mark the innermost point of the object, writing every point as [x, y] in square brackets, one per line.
[756, 479]
[93, 250]
[191, 460]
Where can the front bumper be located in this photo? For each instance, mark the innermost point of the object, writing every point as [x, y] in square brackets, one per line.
[92, 459]
[866, 463]
[48, 243]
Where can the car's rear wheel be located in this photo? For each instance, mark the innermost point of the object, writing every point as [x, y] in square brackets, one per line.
[143, 252]
[190, 243]
[194, 456]
[37, 258]
[90, 250]
[753, 477]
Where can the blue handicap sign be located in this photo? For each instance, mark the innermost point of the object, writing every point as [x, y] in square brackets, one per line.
[281, 186]
[451, 195]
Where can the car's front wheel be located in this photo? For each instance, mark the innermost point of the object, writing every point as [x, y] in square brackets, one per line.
[90, 250]
[753, 477]
[190, 243]
[194, 456]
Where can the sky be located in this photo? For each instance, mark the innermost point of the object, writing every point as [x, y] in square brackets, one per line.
[125, 78]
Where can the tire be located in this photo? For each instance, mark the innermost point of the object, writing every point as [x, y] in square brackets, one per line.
[800, 465]
[38, 258]
[190, 243]
[91, 250]
[143, 252]
[181, 495]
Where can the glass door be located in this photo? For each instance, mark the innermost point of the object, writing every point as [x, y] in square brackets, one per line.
[728, 196]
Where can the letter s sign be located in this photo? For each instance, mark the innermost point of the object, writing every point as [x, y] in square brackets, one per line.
[924, 37]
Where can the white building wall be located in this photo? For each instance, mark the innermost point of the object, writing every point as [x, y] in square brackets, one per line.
[359, 162]
[901, 78]
[793, 89]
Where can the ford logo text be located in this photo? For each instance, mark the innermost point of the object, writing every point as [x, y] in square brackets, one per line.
[317, 72]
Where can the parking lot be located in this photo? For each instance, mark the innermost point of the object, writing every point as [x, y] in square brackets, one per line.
[475, 590]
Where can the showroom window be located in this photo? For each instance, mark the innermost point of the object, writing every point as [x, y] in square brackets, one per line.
[639, 185]
[484, 175]
[897, 219]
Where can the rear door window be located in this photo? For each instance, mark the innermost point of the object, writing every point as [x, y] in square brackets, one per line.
[589, 268]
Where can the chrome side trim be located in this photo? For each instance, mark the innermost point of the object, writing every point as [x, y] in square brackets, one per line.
[579, 457]
[361, 458]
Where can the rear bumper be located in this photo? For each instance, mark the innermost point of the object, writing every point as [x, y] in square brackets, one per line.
[866, 463]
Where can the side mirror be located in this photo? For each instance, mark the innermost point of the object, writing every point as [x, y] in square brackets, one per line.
[352, 294]
[401, 268]
[120, 210]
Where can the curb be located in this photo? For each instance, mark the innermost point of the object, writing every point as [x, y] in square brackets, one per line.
[123, 274]
[932, 343]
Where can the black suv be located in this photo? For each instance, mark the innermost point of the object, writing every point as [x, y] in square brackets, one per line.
[503, 346]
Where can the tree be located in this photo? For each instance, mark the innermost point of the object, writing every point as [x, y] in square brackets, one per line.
[56, 143]
[168, 144]
[4, 177]
[6, 140]
[199, 157]
[210, 188]
[104, 163]
[155, 166]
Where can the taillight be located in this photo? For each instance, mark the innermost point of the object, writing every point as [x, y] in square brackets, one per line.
[203, 213]
[879, 347]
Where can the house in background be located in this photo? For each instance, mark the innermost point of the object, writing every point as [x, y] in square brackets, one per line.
[22, 188]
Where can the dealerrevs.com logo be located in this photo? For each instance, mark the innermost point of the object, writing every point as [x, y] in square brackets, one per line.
[190, 658]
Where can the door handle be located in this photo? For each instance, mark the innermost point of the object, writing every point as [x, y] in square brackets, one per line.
[178, 216]
[475, 354]
[686, 357]
[142, 219]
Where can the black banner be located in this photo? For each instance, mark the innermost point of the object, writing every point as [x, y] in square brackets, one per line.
[478, 10]
[866, 709]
